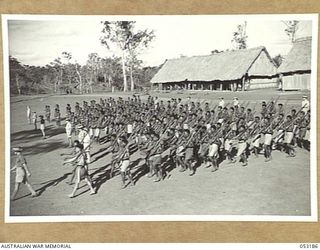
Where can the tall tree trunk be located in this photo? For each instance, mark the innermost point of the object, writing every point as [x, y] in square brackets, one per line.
[131, 79]
[125, 85]
[60, 81]
[18, 85]
[80, 80]
[109, 81]
[55, 85]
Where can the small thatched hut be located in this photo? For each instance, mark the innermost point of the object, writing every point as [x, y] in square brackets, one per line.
[231, 70]
[295, 70]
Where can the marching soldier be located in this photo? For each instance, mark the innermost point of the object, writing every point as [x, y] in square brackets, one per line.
[256, 135]
[214, 144]
[124, 158]
[243, 136]
[48, 113]
[288, 136]
[189, 145]
[305, 104]
[81, 170]
[155, 150]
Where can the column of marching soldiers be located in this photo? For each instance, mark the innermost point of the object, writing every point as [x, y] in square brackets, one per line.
[191, 133]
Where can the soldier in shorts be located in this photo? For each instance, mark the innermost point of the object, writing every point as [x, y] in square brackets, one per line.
[22, 173]
[81, 171]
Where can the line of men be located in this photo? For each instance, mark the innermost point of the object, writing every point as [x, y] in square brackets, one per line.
[188, 133]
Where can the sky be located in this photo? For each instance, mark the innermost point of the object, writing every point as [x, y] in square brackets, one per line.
[39, 42]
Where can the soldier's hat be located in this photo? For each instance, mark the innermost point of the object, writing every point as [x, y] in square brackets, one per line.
[17, 149]
[304, 96]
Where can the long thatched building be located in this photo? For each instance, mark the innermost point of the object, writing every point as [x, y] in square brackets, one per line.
[295, 71]
[231, 70]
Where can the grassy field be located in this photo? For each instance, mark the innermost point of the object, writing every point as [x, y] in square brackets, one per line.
[279, 187]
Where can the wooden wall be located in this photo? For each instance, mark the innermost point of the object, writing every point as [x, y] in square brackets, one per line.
[296, 82]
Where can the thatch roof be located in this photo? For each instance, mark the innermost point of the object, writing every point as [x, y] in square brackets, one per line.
[299, 57]
[229, 65]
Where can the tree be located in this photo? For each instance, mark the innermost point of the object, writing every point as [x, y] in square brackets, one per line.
[291, 29]
[216, 51]
[239, 40]
[56, 67]
[17, 72]
[110, 69]
[93, 64]
[123, 35]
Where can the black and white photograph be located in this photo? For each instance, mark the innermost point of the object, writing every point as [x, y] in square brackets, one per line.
[160, 118]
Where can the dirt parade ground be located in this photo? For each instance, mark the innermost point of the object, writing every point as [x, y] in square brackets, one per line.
[278, 187]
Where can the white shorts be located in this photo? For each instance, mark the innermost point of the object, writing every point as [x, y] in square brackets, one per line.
[41, 126]
[129, 129]
[180, 151]
[86, 147]
[256, 141]
[68, 132]
[97, 132]
[213, 150]
[227, 144]
[279, 136]
[267, 139]
[220, 120]
[288, 136]
[241, 148]
[307, 135]
[91, 132]
[124, 165]
[234, 126]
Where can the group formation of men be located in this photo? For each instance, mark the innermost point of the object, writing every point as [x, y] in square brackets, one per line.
[184, 134]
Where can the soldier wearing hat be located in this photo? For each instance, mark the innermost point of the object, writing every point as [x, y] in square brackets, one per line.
[34, 119]
[221, 102]
[235, 102]
[42, 126]
[22, 173]
[57, 115]
[305, 104]
[48, 113]
[68, 129]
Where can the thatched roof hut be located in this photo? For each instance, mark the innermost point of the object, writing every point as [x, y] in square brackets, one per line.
[299, 57]
[229, 66]
[296, 67]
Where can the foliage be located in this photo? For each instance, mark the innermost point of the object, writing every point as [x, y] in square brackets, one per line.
[239, 39]
[131, 42]
[291, 29]
[65, 75]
